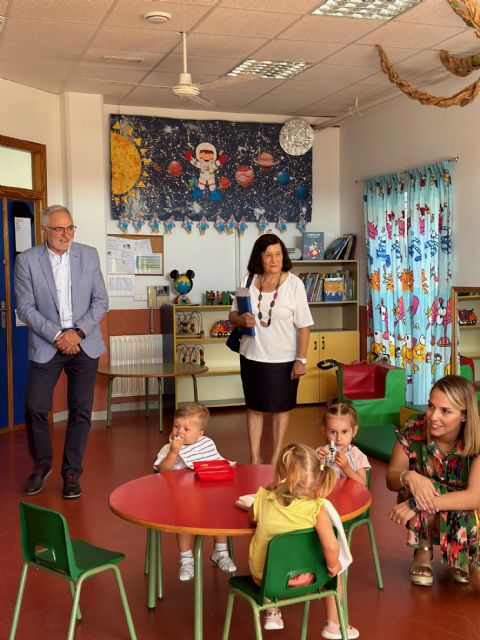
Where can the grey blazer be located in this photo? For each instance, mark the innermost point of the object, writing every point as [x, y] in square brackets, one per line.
[37, 301]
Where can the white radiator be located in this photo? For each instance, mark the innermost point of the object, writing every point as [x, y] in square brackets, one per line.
[135, 350]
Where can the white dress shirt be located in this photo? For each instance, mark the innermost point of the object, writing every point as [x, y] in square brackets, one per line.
[63, 282]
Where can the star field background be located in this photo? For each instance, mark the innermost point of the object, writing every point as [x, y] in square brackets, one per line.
[281, 184]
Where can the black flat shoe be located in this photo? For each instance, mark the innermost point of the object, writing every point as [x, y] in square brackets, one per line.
[71, 487]
[36, 481]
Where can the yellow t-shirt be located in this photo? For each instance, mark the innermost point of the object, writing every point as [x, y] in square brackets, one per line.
[273, 518]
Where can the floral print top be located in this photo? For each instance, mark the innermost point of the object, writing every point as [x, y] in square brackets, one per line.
[457, 535]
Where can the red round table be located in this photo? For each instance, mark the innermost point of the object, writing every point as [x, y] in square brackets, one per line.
[177, 502]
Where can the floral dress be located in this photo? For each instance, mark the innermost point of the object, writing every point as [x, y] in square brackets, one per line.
[458, 537]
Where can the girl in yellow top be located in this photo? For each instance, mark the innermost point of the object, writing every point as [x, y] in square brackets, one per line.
[296, 500]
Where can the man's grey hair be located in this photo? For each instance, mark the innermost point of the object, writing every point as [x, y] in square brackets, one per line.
[46, 213]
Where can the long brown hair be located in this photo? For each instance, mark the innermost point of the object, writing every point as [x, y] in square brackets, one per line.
[461, 394]
[300, 473]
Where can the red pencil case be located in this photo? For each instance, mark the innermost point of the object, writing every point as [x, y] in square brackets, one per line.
[214, 470]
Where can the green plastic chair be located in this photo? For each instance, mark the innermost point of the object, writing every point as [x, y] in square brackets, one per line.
[349, 528]
[288, 555]
[46, 545]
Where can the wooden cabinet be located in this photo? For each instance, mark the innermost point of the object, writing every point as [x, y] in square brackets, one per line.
[187, 338]
[335, 334]
[466, 326]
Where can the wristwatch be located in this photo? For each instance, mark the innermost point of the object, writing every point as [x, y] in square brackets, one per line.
[79, 333]
[302, 360]
[412, 503]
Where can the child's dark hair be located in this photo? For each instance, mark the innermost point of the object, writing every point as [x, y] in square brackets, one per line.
[189, 409]
[300, 473]
[340, 409]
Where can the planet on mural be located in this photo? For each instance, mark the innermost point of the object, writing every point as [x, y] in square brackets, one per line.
[224, 182]
[244, 175]
[301, 192]
[157, 167]
[265, 161]
[174, 168]
[283, 178]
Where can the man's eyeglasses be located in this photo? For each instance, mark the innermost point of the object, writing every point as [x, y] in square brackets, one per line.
[71, 229]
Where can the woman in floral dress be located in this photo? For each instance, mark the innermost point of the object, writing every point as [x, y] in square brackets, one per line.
[435, 468]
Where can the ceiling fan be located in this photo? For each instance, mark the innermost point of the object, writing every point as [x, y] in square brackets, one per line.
[186, 89]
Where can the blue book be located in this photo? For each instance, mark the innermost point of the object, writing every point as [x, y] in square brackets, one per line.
[244, 304]
[312, 245]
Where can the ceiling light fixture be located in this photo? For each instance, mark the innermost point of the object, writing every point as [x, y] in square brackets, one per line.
[157, 17]
[366, 9]
[269, 69]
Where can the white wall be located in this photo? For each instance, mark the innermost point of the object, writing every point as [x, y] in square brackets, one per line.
[403, 133]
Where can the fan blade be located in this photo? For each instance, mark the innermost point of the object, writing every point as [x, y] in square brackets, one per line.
[204, 100]
[130, 84]
[227, 80]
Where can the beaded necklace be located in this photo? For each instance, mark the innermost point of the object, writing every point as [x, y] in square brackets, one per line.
[272, 304]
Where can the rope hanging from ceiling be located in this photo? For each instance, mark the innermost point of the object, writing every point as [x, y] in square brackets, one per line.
[469, 12]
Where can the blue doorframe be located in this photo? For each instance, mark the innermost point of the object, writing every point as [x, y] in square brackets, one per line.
[14, 336]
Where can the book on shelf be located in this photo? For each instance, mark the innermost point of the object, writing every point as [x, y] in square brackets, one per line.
[342, 248]
[333, 288]
[312, 245]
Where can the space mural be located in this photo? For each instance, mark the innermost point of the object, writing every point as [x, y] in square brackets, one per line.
[205, 174]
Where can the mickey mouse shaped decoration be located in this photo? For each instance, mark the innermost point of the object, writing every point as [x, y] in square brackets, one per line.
[182, 283]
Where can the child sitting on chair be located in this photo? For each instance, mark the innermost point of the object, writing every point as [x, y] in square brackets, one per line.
[296, 500]
[340, 427]
[188, 444]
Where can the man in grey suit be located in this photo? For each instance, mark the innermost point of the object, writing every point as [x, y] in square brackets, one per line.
[61, 297]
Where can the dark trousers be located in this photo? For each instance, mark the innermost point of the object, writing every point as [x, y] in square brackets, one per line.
[42, 378]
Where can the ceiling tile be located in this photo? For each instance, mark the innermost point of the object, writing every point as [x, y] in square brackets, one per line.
[130, 14]
[329, 29]
[462, 44]
[415, 36]
[47, 53]
[49, 31]
[97, 56]
[48, 77]
[289, 50]
[222, 46]
[135, 39]
[316, 91]
[333, 73]
[277, 6]
[240, 22]
[197, 64]
[361, 55]
[72, 10]
[432, 12]
[276, 104]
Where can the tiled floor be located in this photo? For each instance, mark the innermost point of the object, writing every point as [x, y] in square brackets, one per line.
[400, 612]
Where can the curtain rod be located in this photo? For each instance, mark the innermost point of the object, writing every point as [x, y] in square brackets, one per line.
[454, 159]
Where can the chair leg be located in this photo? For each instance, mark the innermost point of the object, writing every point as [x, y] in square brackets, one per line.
[126, 608]
[75, 607]
[341, 616]
[231, 550]
[18, 602]
[158, 540]
[71, 584]
[257, 623]
[376, 560]
[344, 601]
[304, 629]
[228, 615]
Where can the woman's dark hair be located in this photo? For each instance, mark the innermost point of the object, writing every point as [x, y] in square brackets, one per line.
[255, 264]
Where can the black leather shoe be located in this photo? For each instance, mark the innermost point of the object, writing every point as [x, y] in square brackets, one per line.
[36, 481]
[71, 487]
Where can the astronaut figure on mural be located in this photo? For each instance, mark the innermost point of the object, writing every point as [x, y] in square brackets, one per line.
[207, 162]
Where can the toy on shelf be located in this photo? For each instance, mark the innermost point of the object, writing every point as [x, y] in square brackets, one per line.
[190, 324]
[467, 317]
[218, 298]
[220, 329]
[182, 283]
[190, 354]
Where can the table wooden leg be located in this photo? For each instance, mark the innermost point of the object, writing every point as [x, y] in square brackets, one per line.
[109, 401]
[198, 587]
[160, 404]
[195, 390]
[152, 569]
[146, 399]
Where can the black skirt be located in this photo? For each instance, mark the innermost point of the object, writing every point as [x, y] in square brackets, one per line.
[267, 386]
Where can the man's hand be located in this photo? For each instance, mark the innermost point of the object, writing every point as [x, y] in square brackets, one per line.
[67, 343]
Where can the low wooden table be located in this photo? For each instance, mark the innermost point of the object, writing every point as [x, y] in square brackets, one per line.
[159, 371]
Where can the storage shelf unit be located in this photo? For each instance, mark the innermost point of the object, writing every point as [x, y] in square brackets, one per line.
[221, 385]
[466, 337]
[335, 334]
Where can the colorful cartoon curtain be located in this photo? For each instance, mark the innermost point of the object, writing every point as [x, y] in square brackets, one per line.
[408, 220]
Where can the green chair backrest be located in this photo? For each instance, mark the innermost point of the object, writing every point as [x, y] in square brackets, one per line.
[46, 541]
[288, 555]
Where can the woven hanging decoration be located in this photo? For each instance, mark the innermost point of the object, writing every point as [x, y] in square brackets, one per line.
[469, 12]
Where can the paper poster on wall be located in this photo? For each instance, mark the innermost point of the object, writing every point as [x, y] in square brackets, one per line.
[149, 264]
[121, 286]
[23, 234]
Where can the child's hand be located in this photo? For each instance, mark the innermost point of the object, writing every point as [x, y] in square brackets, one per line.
[341, 460]
[332, 571]
[321, 453]
[176, 444]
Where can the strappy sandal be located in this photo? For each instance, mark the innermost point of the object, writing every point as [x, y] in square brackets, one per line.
[422, 574]
[460, 576]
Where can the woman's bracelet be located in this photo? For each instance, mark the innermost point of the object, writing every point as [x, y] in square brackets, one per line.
[402, 477]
